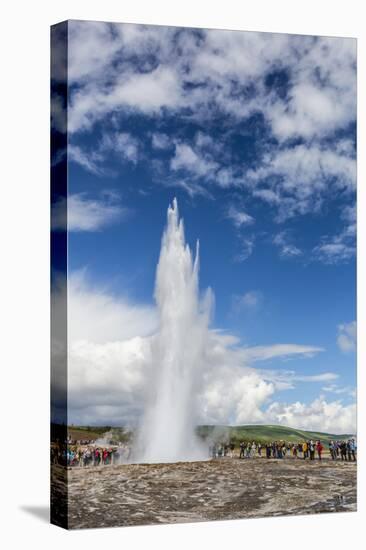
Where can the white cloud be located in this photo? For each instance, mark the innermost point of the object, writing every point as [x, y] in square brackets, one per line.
[287, 249]
[334, 250]
[321, 415]
[109, 360]
[251, 300]
[94, 101]
[192, 189]
[185, 158]
[101, 317]
[347, 334]
[239, 217]
[85, 214]
[160, 141]
[298, 179]
[325, 377]
[108, 353]
[219, 66]
[340, 390]
[123, 143]
[246, 248]
[323, 91]
[263, 353]
[201, 73]
[340, 247]
[89, 161]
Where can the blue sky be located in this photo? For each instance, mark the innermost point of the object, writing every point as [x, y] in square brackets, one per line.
[255, 135]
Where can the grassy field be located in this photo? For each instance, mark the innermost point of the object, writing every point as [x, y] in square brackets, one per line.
[96, 432]
[265, 433]
[236, 434]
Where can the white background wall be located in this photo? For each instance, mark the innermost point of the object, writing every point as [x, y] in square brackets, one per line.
[24, 285]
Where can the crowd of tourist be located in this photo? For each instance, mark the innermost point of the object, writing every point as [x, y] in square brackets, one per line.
[90, 455]
[343, 450]
[85, 454]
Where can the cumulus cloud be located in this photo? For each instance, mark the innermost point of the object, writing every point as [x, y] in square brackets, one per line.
[347, 334]
[108, 353]
[205, 70]
[109, 359]
[212, 69]
[303, 89]
[321, 415]
[102, 317]
[86, 214]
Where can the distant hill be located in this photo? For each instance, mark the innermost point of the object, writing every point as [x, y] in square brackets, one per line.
[236, 434]
[91, 433]
[264, 433]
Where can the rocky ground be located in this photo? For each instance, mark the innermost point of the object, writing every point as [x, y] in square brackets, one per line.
[137, 494]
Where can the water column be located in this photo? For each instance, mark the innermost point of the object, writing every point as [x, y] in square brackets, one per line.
[167, 430]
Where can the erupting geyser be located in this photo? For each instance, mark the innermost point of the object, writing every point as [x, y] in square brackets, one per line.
[167, 433]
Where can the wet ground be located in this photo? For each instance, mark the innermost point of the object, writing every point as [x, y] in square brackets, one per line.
[215, 490]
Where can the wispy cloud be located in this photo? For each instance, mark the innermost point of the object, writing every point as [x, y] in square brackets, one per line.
[185, 158]
[263, 353]
[87, 214]
[286, 248]
[246, 248]
[335, 249]
[161, 141]
[88, 160]
[303, 87]
[296, 180]
[122, 143]
[250, 301]
[340, 390]
[192, 189]
[346, 338]
[239, 217]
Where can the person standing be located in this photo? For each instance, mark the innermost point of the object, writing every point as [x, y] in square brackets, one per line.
[268, 450]
[254, 448]
[353, 449]
[349, 452]
[312, 449]
[343, 449]
[305, 449]
[319, 449]
[248, 450]
[232, 449]
[332, 450]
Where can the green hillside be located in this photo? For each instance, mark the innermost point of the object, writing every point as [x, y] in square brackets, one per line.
[235, 434]
[264, 433]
